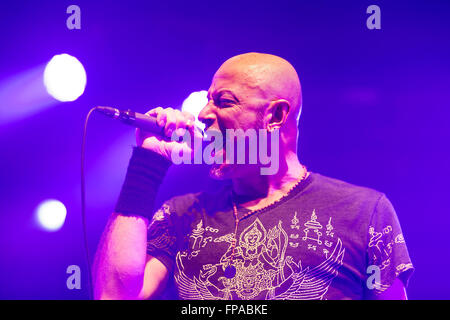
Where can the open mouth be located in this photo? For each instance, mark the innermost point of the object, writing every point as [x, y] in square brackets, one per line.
[217, 152]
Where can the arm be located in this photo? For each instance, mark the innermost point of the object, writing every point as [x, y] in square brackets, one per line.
[396, 291]
[123, 269]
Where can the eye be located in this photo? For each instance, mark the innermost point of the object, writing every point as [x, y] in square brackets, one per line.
[226, 103]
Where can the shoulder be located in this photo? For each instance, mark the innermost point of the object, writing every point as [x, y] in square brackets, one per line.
[350, 205]
[342, 188]
[335, 190]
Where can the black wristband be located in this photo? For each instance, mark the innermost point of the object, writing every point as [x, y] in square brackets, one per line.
[145, 174]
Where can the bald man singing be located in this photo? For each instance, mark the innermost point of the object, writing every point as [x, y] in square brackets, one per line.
[290, 234]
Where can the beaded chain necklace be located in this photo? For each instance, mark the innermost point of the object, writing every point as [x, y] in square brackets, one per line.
[230, 270]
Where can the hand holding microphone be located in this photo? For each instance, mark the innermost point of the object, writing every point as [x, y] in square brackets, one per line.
[156, 128]
[170, 121]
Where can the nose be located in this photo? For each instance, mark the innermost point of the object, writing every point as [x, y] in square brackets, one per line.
[206, 115]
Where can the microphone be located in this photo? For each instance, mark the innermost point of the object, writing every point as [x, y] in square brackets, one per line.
[136, 119]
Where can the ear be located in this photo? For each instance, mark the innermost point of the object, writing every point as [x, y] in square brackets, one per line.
[276, 114]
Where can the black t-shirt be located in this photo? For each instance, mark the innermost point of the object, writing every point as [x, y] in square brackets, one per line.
[326, 239]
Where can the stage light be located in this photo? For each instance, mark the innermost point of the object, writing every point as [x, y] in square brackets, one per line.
[23, 95]
[51, 214]
[65, 77]
[194, 103]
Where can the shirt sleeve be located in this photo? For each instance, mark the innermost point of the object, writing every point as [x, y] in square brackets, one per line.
[387, 254]
[161, 236]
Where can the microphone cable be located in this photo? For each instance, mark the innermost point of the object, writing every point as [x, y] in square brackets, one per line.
[83, 207]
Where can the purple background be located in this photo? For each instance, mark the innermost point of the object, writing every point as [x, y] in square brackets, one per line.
[375, 113]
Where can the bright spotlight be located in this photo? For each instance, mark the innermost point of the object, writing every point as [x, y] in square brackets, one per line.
[65, 77]
[194, 103]
[51, 214]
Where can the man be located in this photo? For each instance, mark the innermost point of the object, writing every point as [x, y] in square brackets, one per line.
[288, 235]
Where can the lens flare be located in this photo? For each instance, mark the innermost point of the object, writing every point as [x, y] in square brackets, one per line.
[65, 78]
[51, 214]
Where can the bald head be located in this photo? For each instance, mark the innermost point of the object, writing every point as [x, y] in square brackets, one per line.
[259, 92]
[270, 76]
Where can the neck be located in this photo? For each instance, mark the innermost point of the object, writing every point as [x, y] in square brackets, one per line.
[255, 191]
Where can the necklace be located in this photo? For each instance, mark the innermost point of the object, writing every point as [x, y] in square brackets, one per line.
[230, 270]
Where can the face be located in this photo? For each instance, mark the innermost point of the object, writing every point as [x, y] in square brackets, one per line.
[234, 102]
[252, 239]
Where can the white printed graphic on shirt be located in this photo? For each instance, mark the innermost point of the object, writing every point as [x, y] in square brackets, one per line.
[295, 227]
[312, 231]
[381, 245]
[262, 267]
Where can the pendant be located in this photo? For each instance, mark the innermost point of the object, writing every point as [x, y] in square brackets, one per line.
[230, 272]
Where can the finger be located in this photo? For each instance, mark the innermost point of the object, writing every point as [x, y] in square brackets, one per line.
[182, 122]
[189, 116]
[161, 118]
[141, 135]
[158, 112]
[154, 111]
[171, 122]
